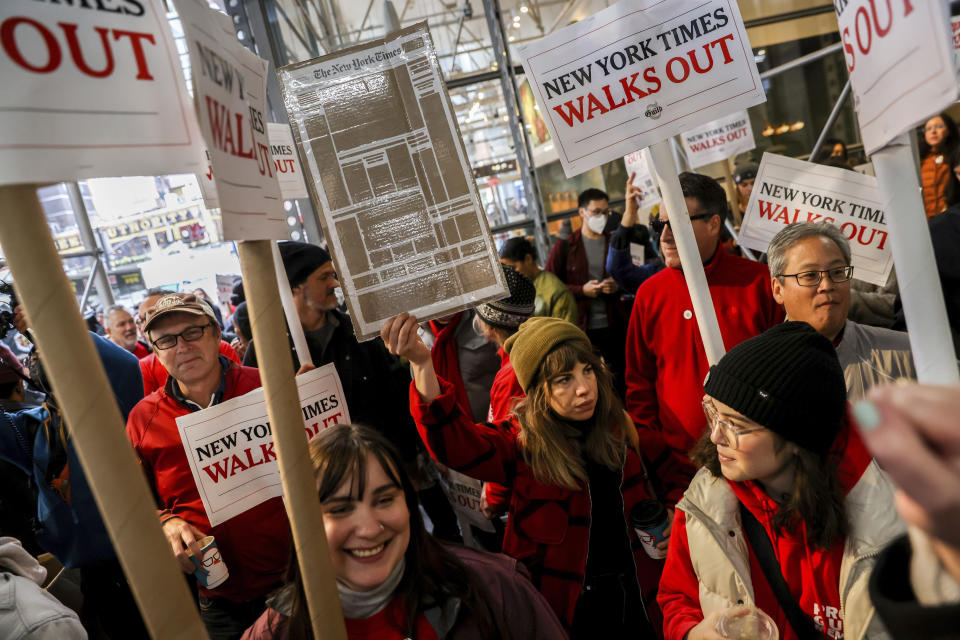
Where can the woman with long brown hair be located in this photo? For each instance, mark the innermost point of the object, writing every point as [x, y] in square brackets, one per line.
[394, 579]
[788, 511]
[569, 454]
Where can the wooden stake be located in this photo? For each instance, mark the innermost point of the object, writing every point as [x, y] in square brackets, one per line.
[733, 194]
[690, 260]
[93, 419]
[290, 440]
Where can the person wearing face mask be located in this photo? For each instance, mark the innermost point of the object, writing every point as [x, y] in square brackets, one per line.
[568, 451]
[580, 262]
[394, 579]
[788, 511]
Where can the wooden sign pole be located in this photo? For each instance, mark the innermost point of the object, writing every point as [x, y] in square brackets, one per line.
[93, 419]
[682, 229]
[289, 439]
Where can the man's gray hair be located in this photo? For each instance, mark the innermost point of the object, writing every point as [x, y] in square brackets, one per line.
[109, 311]
[794, 233]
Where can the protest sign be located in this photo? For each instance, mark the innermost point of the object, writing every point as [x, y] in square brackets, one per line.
[788, 191]
[230, 445]
[718, 140]
[208, 189]
[955, 32]
[225, 288]
[639, 72]
[230, 93]
[638, 163]
[92, 93]
[900, 59]
[387, 166]
[465, 493]
[286, 162]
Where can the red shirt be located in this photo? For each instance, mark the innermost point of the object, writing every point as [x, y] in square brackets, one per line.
[505, 392]
[383, 625]
[141, 350]
[155, 375]
[666, 361]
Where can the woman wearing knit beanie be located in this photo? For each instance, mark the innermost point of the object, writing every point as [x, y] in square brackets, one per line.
[788, 511]
[568, 451]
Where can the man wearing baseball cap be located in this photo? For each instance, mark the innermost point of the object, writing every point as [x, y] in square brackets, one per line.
[255, 544]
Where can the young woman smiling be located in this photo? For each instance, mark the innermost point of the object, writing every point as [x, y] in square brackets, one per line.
[783, 481]
[394, 579]
[568, 452]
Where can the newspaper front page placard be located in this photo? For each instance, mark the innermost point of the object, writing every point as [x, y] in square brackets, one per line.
[639, 72]
[789, 190]
[230, 89]
[387, 166]
[90, 92]
[639, 163]
[230, 445]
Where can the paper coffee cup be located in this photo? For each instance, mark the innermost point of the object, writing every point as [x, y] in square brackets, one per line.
[649, 519]
[211, 569]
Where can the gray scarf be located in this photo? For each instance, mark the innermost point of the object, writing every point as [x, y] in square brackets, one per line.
[364, 604]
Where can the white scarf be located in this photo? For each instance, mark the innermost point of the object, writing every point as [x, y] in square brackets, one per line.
[364, 604]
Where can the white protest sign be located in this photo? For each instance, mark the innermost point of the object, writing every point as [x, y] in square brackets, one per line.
[788, 191]
[718, 140]
[639, 164]
[901, 64]
[91, 93]
[465, 493]
[955, 32]
[208, 188]
[230, 445]
[639, 72]
[230, 93]
[286, 162]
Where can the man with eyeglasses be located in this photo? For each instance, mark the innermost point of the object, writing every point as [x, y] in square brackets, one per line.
[810, 263]
[580, 262]
[256, 543]
[666, 360]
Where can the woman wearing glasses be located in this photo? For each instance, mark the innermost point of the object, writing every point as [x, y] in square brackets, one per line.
[788, 511]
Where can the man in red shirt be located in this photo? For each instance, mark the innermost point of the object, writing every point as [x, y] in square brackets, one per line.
[255, 545]
[120, 328]
[665, 359]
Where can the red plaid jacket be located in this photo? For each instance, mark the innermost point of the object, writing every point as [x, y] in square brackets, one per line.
[549, 526]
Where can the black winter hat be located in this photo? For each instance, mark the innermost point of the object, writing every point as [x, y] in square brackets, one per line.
[300, 259]
[787, 379]
[510, 312]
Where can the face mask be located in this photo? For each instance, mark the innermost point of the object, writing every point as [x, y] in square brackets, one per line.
[597, 223]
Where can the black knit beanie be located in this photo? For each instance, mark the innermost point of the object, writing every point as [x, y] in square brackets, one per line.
[300, 259]
[510, 312]
[787, 379]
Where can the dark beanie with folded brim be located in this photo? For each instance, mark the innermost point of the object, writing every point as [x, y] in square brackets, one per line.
[510, 312]
[787, 379]
[300, 259]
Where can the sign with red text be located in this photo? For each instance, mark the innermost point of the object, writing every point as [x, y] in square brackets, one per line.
[465, 494]
[955, 33]
[230, 88]
[230, 445]
[286, 162]
[92, 89]
[900, 57]
[719, 140]
[208, 188]
[788, 191]
[639, 72]
[639, 164]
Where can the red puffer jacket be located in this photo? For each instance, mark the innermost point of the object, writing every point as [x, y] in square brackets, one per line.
[549, 525]
[255, 544]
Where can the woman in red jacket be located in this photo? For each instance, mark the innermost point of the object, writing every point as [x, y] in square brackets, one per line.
[781, 470]
[394, 579]
[568, 452]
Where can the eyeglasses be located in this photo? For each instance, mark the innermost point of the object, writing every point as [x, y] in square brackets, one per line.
[658, 225]
[190, 334]
[598, 212]
[813, 278]
[729, 432]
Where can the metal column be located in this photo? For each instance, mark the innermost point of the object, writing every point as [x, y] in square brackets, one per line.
[831, 120]
[521, 142]
[90, 242]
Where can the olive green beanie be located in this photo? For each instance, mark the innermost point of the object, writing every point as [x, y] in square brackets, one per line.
[532, 342]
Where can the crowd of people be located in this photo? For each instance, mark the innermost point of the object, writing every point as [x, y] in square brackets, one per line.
[634, 489]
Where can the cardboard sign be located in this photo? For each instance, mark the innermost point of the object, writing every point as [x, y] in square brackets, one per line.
[719, 140]
[91, 93]
[387, 166]
[900, 58]
[230, 89]
[230, 446]
[286, 162]
[788, 191]
[639, 163]
[639, 72]
[464, 493]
